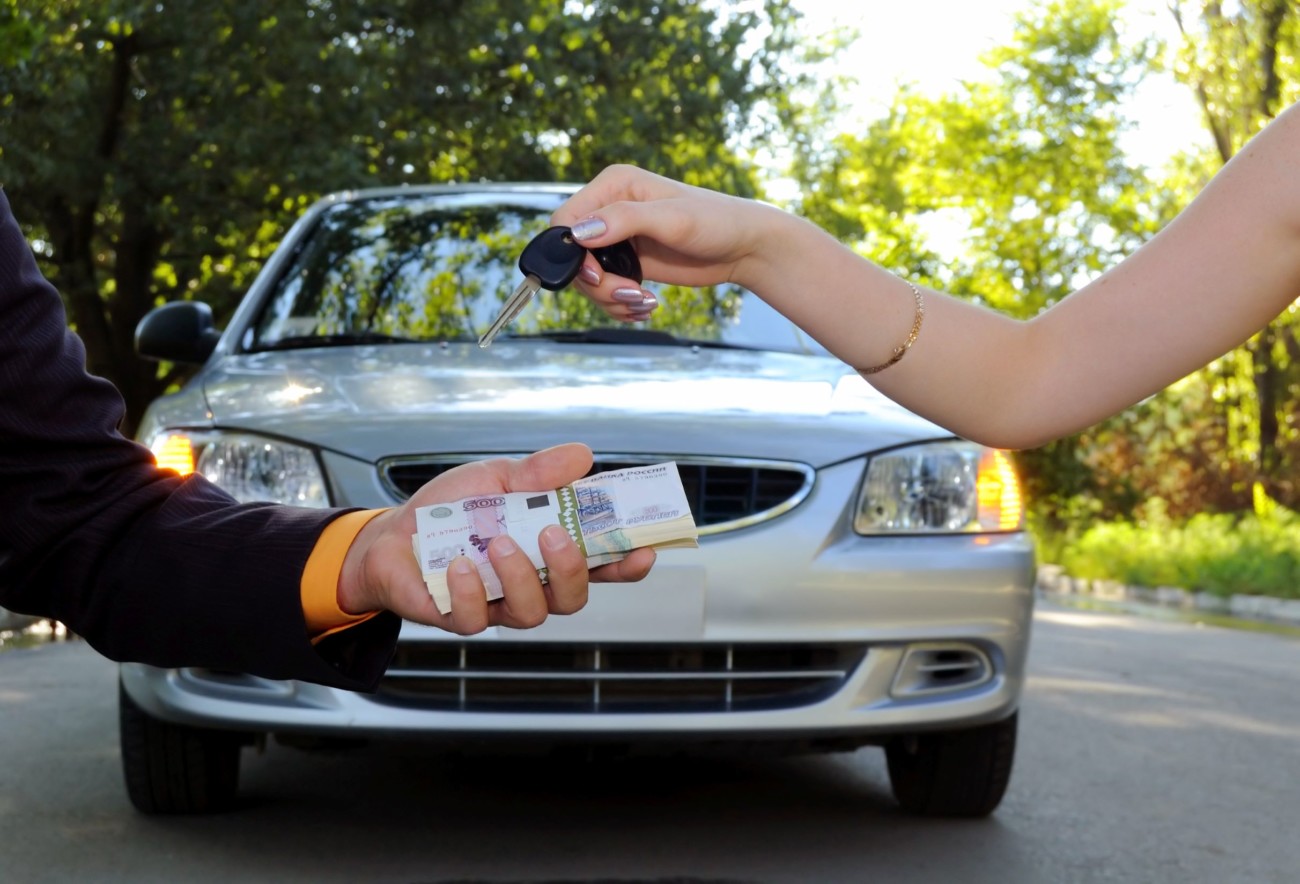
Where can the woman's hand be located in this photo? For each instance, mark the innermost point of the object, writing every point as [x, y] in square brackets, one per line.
[683, 235]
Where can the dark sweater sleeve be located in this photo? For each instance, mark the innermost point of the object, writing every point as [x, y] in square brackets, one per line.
[144, 565]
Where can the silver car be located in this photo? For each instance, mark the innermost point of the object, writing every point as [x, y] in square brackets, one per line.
[863, 577]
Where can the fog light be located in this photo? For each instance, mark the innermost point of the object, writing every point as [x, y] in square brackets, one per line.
[937, 668]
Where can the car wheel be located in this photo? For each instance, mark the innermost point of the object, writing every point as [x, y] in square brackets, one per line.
[953, 773]
[174, 769]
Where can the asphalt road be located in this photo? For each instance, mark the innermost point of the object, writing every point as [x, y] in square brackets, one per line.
[1150, 751]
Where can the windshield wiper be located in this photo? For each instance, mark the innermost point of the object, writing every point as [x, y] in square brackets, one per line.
[609, 335]
[349, 339]
[623, 335]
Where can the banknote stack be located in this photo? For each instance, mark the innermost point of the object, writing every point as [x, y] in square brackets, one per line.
[608, 515]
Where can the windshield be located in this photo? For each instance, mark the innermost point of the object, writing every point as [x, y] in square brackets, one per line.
[439, 267]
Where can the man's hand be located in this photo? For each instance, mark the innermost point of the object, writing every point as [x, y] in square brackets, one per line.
[380, 569]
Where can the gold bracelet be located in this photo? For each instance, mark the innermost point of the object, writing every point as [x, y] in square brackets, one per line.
[911, 338]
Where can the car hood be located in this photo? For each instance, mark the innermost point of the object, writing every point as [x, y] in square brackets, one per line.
[373, 402]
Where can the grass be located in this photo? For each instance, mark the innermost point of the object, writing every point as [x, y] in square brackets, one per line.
[1216, 553]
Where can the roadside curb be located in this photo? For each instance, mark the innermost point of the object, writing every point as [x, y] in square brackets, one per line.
[1053, 581]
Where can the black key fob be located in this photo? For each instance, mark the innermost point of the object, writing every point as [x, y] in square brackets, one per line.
[619, 259]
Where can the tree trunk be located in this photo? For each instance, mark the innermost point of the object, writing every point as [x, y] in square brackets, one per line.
[1232, 127]
[137, 253]
[1268, 374]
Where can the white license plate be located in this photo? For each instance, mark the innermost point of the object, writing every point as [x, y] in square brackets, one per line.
[668, 605]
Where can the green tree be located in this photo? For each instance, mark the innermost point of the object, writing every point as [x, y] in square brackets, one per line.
[1242, 62]
[1030, 165]
[1224, 439]
[159, 151]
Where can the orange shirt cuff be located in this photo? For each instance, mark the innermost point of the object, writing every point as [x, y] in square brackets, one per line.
[320, 579]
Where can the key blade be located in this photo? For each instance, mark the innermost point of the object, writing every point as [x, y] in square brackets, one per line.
[516, 302]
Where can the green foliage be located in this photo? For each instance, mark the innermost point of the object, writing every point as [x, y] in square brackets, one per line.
[1029, 165]
[20, 34]
[1242, 62]
[1227, 435]
[1218, 553]
[160, 151]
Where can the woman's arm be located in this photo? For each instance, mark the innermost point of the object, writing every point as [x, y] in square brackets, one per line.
[1216, 275]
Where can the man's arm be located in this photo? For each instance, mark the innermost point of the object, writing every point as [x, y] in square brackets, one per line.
[144, 565]
[153, 568]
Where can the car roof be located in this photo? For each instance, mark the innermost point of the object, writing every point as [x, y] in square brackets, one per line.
[416, 190]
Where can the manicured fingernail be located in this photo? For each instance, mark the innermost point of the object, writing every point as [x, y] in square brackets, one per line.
[555, 538]
[505, 546]
[589, 275]
[587, 228]
[630, 296]
[650, 302]
[462, 565]
[639, 317]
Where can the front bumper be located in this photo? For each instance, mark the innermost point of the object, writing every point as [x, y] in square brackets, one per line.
[874, 615]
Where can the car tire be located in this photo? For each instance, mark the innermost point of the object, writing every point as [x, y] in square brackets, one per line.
[175, 769]
[953, 773]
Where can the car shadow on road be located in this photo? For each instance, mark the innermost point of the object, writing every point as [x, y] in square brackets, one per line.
[431, 813]
[403, 782]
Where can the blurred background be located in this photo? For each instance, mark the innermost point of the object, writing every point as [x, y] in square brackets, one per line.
[1004, 151]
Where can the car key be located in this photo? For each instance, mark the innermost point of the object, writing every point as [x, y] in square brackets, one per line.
[619, 259]
[551, 261]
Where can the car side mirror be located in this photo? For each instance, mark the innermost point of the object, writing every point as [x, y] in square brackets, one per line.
[181, 331]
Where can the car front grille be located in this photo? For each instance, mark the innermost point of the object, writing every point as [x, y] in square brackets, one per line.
[535, 677]
[723, 494]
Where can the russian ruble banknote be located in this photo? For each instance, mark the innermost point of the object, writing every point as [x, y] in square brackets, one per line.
[608, 515]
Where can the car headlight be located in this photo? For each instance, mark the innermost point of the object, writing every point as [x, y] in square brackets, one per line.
[248, 467]
[939, 488]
